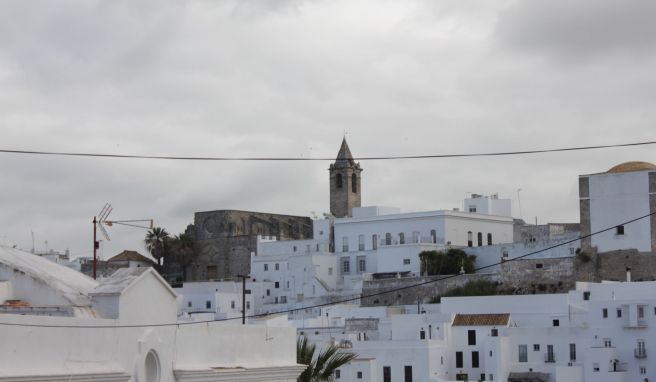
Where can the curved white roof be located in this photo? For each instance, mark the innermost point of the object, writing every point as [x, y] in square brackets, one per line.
[72, 285]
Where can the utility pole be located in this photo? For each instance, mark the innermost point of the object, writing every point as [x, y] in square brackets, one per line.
[243, 297]
[95, 246]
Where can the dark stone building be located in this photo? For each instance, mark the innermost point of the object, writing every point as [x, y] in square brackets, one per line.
[224, 240]
[345, 184]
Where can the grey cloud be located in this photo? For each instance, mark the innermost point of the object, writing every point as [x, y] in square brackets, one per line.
[583, 29]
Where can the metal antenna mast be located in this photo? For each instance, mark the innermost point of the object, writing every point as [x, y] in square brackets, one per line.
[102, 221]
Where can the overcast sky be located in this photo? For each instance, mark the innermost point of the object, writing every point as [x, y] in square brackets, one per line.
[288, 78]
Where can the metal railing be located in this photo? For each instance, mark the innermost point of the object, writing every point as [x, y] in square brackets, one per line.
[640, 353]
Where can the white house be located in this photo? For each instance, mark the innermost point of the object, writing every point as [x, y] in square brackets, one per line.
[597, 332]
[130, 332]
[625, 192]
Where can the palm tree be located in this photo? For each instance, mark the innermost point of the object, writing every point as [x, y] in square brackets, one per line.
[322, 368]
[156, 242]
[182, 246]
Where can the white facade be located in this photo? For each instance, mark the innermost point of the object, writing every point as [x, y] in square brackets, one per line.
[488, 205]
[131, 332]
[392, 242]
[598, 332]
[220, 300]
[615, 197]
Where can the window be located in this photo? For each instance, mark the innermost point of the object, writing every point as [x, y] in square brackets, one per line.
[283, 299]
[359, 375]
[361, 243]
[406, 261]
[482, 376]
[346, 265]
[474, 359]
[189, 304]
[433, 236]
[607, 343]
[459, 359]
[330, 271]
[374, 242]
[362, 264]
[387, 374]
[480, 239]
[536, 347]
[595, 367]
[354, 183]
[266, 267]
[604, 313]
[339, 181]
[388, 239]
[338, 374]
[401, 238]
[422, 334]
[345, 246]
[268, 292]
[472, 208]
[586, 296]
[523, 353]
[619, 230]
[539, 265]
[276, 300]
[208, 304]
[572, 251]
[489, 239]
[469, 239]
[490, 353]
[572, 352]
[556, 322]
[408, 373]
[248, 305]
[643, 370]
[415, 237]
[277, 266]
[294, 248]
[287, 284]
[494, 332]
[232, 305]
[277, 284]
[619, 313]
[491, 377]
[462, 377]
[471, 337]
[641, 312]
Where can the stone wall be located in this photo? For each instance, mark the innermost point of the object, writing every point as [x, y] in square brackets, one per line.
[224, 240]
[525, 276]
[612, 266]
[534, 276]
[427, 288]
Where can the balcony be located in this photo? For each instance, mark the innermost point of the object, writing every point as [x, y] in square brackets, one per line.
[549, 358]
[640, 353]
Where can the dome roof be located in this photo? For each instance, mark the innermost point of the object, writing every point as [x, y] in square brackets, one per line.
[632, 166]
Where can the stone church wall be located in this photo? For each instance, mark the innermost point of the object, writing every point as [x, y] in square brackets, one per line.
[224, 240]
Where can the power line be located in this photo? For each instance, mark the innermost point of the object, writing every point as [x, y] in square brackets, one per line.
[329, 303]
[301, 159]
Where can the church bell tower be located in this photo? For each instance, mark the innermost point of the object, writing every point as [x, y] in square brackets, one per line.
[345, 184]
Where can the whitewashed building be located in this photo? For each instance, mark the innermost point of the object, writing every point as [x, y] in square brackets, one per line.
[597, 332]
[124, 328]
[623, 193]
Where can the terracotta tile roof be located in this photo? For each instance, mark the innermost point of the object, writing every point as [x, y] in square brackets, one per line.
[499, 319]
[130, 256]
[15, 304]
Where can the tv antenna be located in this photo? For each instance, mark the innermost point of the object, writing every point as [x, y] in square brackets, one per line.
[100, 221]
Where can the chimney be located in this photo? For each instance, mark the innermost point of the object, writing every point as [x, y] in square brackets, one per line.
[628, 274]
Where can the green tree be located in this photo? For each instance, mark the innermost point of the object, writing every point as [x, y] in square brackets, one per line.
[322, 367]
[156, 243]
[181, 248]
[449, 263]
